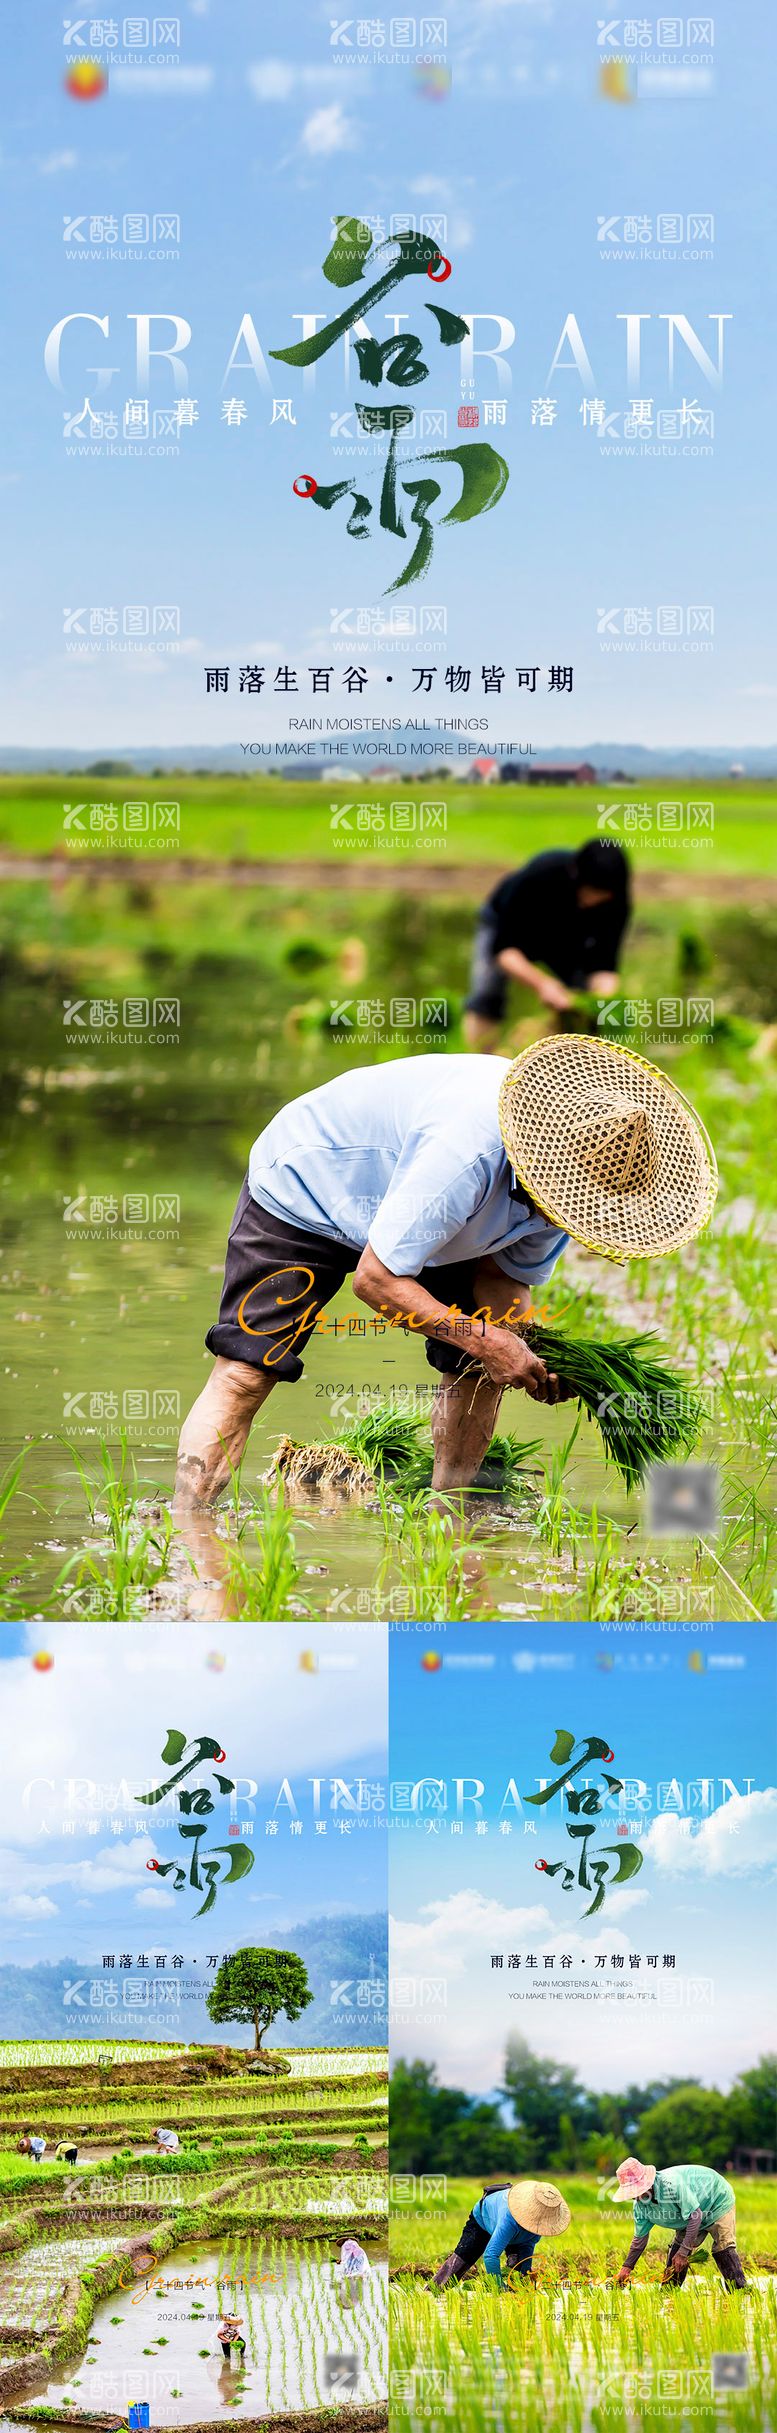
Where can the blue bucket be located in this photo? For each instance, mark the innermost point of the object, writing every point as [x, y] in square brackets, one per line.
[139, 2418]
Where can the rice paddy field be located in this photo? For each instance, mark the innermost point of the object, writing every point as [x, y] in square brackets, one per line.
[569, 2350]
[115, 2272]
[124, 1160]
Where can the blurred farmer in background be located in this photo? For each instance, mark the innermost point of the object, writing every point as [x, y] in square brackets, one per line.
[556, 926]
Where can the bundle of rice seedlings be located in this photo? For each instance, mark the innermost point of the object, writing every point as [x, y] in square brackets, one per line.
[384, 1439]
[388, 1442]
[318, 1470]
[645, 1412]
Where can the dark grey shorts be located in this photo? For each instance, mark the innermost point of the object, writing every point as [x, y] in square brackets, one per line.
[278, 1278]
[487, 982]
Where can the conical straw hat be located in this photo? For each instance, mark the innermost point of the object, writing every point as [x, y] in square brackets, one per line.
[607, 1147]
[538, 2206]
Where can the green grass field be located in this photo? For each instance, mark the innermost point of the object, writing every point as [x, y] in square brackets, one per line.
[270, 818]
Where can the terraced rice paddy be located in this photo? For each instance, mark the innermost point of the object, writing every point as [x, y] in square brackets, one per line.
[96, 2262]
[161, 2344]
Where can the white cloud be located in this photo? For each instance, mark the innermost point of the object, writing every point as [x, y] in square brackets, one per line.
[28, 1905]
[86, 1878]
[737, 1838]
[102, 1714]
[451, 1936]
[432, 189]
[278, 79]
[272, 79]
[53, 162]
[154, 1896]
[160, 84]
[327, 131]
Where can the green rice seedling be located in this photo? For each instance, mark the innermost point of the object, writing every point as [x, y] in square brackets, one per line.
[644, 1411]
[609, 1585]
[137, 1558]
[429, 1548]
[10, 1490]
[268, 1581]
[556, 1520]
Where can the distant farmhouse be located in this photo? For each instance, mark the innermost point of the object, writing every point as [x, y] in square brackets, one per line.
[548, 773]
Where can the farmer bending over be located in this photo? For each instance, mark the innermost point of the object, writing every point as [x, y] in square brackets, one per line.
[564, 911]
[167, 2140]
[229, 2336]
[688, 2199]
[352, 2267]
[34, 2146]
[507, 2221]
[447, 1186]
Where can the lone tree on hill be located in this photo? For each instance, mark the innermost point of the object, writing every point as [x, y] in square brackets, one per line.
[254, 1986]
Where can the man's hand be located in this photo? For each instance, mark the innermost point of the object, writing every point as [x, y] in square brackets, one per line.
[552, 993]
[623, 2277]
[508, 1361]
[673, 2269]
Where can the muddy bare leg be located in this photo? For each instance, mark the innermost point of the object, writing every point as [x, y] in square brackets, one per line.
[215, 1434]
[466, 1408]
[464, 1415]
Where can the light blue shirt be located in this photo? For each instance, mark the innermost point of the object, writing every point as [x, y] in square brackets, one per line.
[493, 2214]
[407, 1156]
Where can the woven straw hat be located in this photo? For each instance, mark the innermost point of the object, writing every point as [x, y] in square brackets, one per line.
[607, 1147]
[538, 2206]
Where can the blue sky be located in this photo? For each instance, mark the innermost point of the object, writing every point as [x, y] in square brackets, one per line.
[100, 1715]
[492, 1712]
[255, 138]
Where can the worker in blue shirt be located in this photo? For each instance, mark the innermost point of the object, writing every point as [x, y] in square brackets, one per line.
[507, 2221]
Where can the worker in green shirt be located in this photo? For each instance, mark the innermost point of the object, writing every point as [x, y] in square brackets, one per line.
[688, 2199]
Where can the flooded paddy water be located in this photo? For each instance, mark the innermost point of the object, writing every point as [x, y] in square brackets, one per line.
[157, 2340]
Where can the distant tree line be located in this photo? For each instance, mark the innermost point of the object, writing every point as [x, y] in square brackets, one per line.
[545, 2120]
